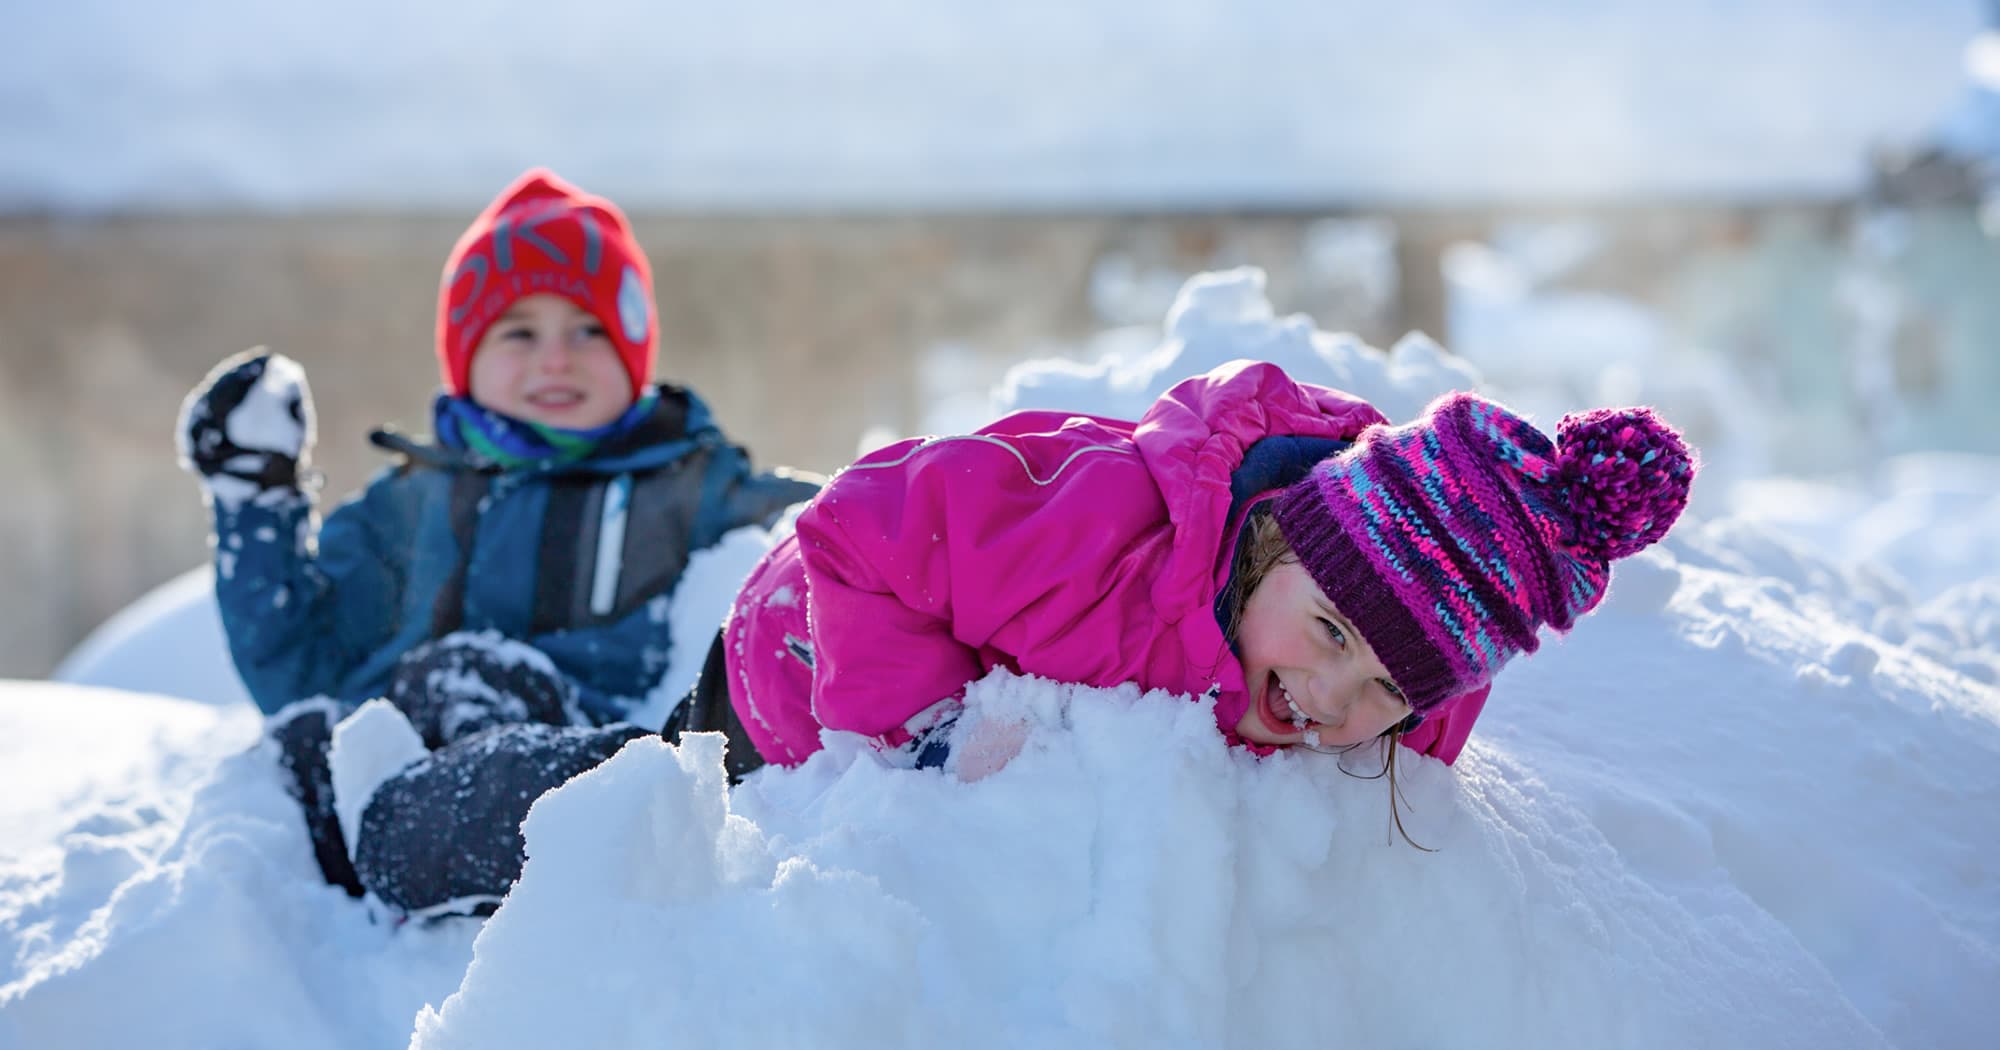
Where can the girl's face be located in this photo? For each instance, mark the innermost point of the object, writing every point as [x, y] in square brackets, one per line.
[1308, 671]
[549, 361]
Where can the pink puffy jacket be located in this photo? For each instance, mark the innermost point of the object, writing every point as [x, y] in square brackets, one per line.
[1071, 547]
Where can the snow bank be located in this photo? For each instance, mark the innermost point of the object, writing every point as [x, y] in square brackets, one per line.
[170, 923]
[1753, 801]
[1929, 519]
[168, 643]
[1220, 317]
[1128, 881]
[65, 749]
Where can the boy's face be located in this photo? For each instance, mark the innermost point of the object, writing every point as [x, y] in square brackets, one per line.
[547, 360]
[1310, 674]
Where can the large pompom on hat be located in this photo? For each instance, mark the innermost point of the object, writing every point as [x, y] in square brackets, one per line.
[1450, 541]
[543, 234]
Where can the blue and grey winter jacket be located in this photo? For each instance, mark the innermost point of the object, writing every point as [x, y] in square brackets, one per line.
[577, 560]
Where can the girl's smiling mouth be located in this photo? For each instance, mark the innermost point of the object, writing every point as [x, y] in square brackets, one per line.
[1278, 711]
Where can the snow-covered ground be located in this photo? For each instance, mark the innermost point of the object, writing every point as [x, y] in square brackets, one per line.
[1754, 801]
[902, 103]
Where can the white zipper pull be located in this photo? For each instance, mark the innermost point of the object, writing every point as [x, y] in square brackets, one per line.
[610, 545]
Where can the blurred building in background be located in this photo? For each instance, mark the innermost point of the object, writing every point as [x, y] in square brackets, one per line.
[1804, 298]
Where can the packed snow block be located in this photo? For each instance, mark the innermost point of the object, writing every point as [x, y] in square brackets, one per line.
[644, 887]
[443, 835]
[1134, 962]
[369, 746]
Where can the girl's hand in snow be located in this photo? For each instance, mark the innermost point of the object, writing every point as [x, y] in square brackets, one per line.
[970, 743]
[983, 747]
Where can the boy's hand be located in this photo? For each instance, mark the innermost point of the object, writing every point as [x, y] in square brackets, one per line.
[248, 427]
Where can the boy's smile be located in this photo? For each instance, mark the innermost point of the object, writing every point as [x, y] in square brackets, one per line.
[548, 361]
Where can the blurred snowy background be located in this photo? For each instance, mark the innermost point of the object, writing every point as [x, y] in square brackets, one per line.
[1752, 803]
[1774, 218]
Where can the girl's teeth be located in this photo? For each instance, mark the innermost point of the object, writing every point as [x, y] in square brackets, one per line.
[1298, 716]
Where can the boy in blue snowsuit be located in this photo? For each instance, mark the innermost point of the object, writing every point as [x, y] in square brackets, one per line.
[506, 587]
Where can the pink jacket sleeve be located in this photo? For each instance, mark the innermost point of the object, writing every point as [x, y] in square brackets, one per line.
[929, 563]
[882, 642]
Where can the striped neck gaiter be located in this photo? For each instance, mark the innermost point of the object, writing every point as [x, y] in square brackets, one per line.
[511, 443]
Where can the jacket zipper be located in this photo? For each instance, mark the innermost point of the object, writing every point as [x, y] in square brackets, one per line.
[610, 545]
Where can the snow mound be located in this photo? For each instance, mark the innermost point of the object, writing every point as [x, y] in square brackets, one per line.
[68, 749]
[369, 746]
[1128, 880]
[1928, 518]
[178, 920]
[168, 643]
[1753, 801]
[1219, 317]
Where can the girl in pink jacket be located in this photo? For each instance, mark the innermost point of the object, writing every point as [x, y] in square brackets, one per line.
[1327, 579]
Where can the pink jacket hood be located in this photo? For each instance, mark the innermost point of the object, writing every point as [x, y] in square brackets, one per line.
[1072, 547]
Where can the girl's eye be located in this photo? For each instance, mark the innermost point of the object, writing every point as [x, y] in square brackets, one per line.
[1393, 691]
[519, 333]
[592, 331]
[1339, 637]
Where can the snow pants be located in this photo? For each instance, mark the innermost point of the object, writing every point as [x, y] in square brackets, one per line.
[443, 835]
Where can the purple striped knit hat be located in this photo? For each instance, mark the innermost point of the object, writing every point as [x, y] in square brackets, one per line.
[1451, 540]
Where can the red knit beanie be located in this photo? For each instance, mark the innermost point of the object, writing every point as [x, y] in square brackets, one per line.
[543, 234]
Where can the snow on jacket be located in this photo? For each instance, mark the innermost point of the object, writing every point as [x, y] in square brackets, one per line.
[1072, 547]
[442, 542]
